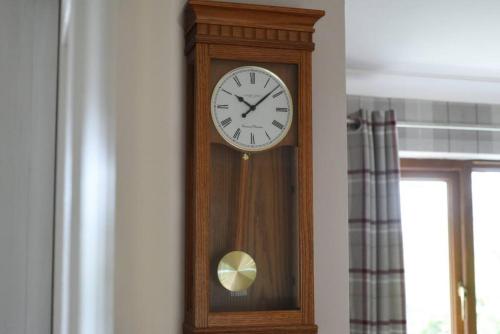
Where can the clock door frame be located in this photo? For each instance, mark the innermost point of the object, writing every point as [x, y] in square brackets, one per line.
[201, 51]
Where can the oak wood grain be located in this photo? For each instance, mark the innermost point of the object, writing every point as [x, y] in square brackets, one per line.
[255, 25]
[189, 194]
[256, 318]
[457, 174]
[264, 205]
[305, 189]
[201, 171]
[294, 329]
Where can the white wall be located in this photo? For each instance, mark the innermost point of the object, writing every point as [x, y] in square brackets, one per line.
[434, 50]
[404, 86]
[140, 122]
[28, 73]
[330, 171]
[150, 176]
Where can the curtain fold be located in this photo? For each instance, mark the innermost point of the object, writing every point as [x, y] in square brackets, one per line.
[376, 271]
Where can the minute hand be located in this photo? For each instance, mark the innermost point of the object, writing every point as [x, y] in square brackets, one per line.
[259, 102]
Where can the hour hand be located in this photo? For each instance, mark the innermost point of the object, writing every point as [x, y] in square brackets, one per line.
[243, 100]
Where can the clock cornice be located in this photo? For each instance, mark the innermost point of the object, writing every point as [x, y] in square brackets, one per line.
[252, 25]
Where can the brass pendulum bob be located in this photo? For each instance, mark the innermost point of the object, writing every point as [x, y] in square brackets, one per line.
[237, 271]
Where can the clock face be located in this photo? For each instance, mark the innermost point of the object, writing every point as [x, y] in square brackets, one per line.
[252, 108]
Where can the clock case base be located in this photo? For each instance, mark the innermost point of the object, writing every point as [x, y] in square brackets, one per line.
[300, 329]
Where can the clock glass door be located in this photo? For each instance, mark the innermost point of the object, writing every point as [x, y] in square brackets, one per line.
[254, 209]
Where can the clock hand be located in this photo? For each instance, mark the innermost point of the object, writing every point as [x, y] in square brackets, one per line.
[259, 102]
[243, 100]
[265, 97]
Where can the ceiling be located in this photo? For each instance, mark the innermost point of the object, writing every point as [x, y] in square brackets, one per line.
[445, 49]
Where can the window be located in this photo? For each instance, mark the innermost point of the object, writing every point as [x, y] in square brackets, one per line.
[426, 250]
[451, 240]
[486, 222]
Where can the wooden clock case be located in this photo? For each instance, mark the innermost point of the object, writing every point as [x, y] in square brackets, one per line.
[270, 195]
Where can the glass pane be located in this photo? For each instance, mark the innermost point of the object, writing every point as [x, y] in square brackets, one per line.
[485, 198]
[424, 208]
[254, 216]
[254, 210]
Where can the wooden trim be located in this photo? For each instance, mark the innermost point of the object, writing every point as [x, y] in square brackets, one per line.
[189, 195]
[468, 238]
[270, 38]
[455, 217]
[201, 185]
[485, 166]
[415, 170]
[306, 263]
[305, 315]
[250, 15]
[463, 238]
[262, 8]
[467, 241]
[430, 165]
[252, 329]
[273, 318]
[246, 53]
[245, 33]
[252, 25]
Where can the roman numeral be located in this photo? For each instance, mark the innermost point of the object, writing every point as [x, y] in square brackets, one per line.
[282, 109]
[267, 134]
[252, 78]
[278, 125]
[252, 138]
[225, 91]
[267, 82]
[237, 81]
[226, 122]
[277, 94]
[237, 134]
[222, 106]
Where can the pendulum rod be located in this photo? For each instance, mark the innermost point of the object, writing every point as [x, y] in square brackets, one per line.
[241, 216]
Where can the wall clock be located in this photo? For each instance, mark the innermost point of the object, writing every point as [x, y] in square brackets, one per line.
[249, 238]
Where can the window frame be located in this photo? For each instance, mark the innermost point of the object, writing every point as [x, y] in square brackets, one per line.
[458, 175]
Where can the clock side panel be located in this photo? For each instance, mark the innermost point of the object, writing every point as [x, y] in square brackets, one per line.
[197, 188]
[189, 184]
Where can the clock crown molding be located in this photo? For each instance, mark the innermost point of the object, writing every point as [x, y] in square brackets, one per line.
[217, 22]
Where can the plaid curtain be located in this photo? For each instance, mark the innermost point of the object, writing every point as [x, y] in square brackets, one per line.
[376, 274]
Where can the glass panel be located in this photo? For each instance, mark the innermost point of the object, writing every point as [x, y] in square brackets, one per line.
[485, 198]
[254, 209]
[424, 208]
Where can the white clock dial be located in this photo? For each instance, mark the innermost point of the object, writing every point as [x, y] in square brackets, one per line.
[252, 108]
